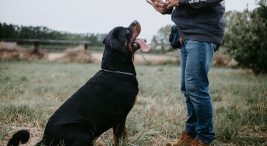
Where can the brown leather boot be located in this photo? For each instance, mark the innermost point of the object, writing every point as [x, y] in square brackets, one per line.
[198, 143]
[184, 140]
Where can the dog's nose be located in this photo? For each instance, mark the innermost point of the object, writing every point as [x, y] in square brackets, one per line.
[135, 23]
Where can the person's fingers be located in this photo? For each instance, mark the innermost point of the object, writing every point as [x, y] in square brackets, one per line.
[156, 1]
[148, 1]
[151, 3]
[181, 40]
[170, 6]
[159, 4]
[167, 2]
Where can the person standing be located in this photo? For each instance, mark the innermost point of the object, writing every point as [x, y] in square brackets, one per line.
[201, 30]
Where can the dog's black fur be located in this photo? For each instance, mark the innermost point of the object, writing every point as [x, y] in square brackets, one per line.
[102, 103]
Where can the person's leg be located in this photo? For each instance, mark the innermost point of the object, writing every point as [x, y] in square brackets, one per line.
[198, 62]
[190, 124]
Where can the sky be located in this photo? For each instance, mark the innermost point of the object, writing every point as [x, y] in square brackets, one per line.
[92, 16]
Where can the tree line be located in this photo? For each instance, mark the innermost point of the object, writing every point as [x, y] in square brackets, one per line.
[11, 31]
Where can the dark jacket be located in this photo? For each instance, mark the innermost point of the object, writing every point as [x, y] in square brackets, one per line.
[200, 20]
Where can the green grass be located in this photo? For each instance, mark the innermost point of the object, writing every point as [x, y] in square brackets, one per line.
[30, 92]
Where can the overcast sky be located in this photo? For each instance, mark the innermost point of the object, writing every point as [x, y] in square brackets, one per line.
[92, 16]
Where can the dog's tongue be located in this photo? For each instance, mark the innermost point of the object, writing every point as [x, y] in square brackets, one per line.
[143, 45]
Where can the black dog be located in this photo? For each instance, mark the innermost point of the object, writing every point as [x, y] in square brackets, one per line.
[103, 102]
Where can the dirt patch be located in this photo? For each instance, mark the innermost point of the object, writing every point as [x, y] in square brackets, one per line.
[155, 59]
[221, 60]
[78, 55]
[18, 53]
[96, 57]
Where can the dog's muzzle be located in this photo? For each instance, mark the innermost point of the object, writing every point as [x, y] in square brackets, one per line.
[138, 43]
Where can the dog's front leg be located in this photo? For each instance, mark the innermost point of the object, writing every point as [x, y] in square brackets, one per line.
[119, 132]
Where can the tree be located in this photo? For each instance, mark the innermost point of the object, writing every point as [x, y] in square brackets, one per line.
[246, 36]
[7, 30]
[160, 41]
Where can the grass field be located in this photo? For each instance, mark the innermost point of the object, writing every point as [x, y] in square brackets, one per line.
[30, 92]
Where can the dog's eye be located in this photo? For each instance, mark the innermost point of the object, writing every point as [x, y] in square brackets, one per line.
[128, 31]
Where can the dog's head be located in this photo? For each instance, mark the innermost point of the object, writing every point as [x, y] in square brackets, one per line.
[124, 39]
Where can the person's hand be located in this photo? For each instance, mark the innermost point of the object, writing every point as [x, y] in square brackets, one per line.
[172, 3]
[158, 5]
[181, 40]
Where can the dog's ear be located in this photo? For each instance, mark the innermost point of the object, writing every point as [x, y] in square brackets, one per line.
[116, 40]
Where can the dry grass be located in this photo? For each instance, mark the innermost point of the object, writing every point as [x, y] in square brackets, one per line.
[31, 91]
[221, 59]
[18, 53]
[80, 55]
[96, 57]
[75, 55]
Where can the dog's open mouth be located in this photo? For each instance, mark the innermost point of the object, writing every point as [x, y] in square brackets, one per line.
[137, 43]
[141, 44]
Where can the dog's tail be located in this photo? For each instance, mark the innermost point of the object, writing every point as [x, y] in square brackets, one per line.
[20, 137]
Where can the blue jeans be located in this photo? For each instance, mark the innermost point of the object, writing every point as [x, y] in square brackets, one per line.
[196, 59]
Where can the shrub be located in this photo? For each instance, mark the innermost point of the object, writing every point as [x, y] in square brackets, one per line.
[246, 38]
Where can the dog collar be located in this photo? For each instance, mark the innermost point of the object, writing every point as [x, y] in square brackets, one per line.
[118, 72]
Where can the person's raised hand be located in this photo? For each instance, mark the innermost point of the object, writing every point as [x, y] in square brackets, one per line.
[158, 5]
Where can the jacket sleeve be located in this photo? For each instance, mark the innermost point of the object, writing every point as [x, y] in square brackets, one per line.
[198, 4]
